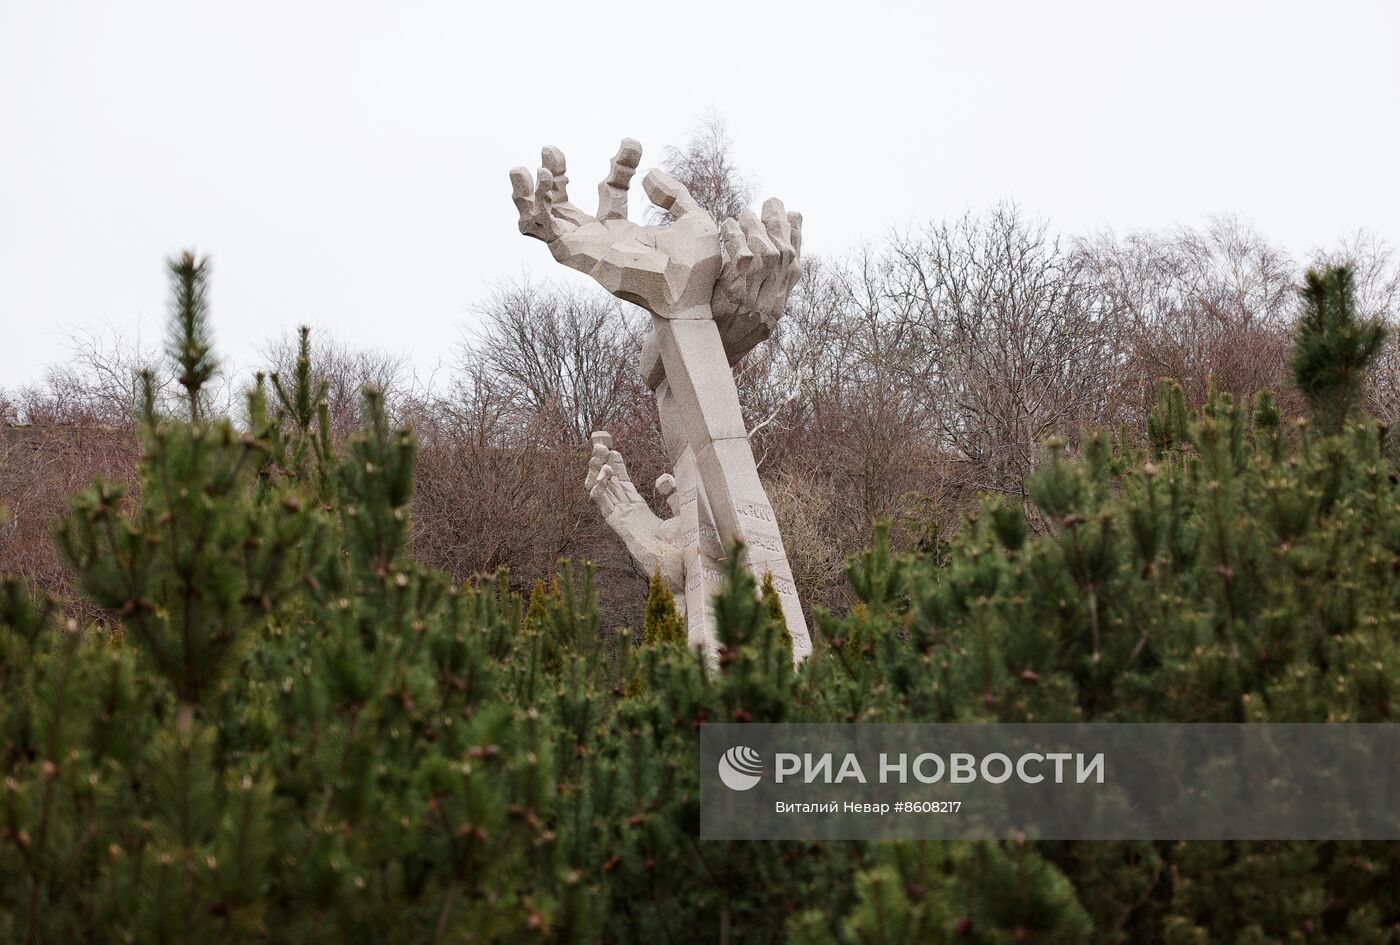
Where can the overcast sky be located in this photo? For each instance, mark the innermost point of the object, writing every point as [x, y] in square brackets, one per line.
[345, 163]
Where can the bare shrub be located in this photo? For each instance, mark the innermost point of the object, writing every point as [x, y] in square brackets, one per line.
[904, 380]
[503, 453]
[1200, 306]
[563, 358]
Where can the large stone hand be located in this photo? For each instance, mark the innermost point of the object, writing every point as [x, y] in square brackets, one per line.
[760, 265]
[668, 270]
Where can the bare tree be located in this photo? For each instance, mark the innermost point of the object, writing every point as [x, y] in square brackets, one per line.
[95, 385]
[1377, 270]
[1008, 342]
[491, 490]
[1201, 306]
[564, 356]
[850, 440]
[705, 165]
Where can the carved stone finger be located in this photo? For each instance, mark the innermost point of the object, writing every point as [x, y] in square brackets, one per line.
[766, 258]
[553, 161]
[522, 191]
[534, 204]
[617, 485]
[665, 485]
[595, 463]
[544, 191]
[612, 192]
[541, 222]
[605, 503]
[736, 258]
[600, 492]
[619, 466]
[757, 237]
[621, 492]
[669, 194]
[775, 223]
[773, 296]
[552, 199]
[794, 270]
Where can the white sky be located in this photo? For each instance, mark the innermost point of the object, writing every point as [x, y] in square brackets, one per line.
[345, 163]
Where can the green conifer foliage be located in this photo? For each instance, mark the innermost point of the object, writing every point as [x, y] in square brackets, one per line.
[1169, 419]
[294, 733]
[283, 729]
[661, 623]
[198, 566]
[1333, 347]
[1231, 577]
[774, 605]
[662, 626]
[189, 336]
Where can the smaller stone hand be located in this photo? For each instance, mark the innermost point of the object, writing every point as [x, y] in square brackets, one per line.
[611, 488]
[760, 258]
[608, 482]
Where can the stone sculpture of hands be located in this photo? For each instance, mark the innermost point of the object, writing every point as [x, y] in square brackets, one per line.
[715, 291]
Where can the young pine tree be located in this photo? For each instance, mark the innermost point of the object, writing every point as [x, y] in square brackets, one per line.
[1333, 347]
[661, 623]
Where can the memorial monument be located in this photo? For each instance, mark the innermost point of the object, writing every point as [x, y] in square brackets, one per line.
[714, 291]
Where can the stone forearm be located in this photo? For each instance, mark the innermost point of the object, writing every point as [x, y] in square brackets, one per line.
[699, 398]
